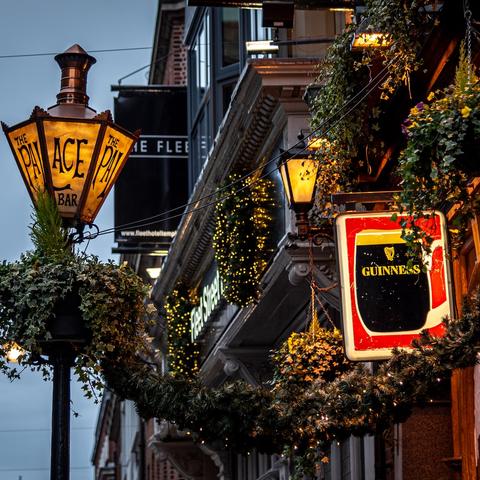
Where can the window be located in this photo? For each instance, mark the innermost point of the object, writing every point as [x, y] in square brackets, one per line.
[230, 20]
[200, 143]
[200, 64]
[257, 32]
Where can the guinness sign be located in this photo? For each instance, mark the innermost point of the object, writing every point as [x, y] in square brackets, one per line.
[386, 300]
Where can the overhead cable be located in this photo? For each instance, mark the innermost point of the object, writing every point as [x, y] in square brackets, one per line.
[370, 87]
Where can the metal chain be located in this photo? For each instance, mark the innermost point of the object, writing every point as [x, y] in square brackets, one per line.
[468, 35]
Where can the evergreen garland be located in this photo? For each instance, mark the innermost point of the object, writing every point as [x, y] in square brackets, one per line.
[305, 422]
[242, 227]
[182, 354]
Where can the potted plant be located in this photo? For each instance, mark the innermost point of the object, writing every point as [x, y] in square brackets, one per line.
[441, 154]
[53, 296]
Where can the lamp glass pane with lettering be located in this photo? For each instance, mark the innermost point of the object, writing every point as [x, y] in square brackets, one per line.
[25, 144]
[70, 148]
[113, 154]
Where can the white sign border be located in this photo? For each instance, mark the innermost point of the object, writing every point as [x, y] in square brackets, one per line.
[345, 282]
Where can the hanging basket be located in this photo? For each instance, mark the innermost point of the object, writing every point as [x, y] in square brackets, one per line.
[66, 327]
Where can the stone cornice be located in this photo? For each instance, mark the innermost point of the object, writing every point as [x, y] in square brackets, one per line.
[250, 128]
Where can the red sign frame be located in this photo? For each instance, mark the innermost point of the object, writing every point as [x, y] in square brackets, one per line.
[380, 233]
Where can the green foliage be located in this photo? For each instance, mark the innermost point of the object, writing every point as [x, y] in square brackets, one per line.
[47, 233]
[111, 305]
[441, 154]
[339, 78]
[309, 356]
[243, 223]
[183, 354]
[353, 140]
[353, 401]
[406, 24]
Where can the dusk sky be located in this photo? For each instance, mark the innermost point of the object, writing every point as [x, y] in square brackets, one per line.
[32, 27]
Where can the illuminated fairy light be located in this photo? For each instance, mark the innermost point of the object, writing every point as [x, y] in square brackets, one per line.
[182, 353]
[14, 352]
[242, 228]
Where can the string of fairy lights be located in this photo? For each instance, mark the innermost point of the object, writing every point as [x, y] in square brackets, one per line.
[325, 126]
[240, 239]
[182, 353]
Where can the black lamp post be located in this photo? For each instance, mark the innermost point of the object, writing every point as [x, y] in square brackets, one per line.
[75, 155]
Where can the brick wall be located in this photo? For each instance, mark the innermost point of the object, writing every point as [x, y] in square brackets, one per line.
[155, 467]
[176, 65]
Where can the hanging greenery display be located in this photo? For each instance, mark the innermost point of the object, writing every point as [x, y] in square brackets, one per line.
[305, 421]
[243, 220]
[307, 356]
[182, 353]
[405, 23]
[52, 280]
[443, 138]
[353, 138]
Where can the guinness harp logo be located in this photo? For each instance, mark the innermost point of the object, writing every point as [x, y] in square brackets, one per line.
[389, 253]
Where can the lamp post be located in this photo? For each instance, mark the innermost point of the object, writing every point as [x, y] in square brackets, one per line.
[75, 155]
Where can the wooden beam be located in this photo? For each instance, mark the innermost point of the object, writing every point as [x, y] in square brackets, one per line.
[364, 197]
[443, 61]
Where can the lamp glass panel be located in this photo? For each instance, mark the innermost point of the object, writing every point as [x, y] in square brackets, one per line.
[302, 174]
[286, 183]
[25, 145]
[113, 154]
[70, 149]
[371, 40]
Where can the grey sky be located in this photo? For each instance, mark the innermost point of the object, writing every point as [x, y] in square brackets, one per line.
[32, 26]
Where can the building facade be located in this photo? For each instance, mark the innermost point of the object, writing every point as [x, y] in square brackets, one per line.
[244, 108]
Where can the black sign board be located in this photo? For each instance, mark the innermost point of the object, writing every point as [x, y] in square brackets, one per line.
[154, 180]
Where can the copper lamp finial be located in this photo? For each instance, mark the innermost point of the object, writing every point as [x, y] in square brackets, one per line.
[75, 63]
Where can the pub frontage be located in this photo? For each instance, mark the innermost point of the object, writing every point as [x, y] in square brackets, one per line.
[295, 304]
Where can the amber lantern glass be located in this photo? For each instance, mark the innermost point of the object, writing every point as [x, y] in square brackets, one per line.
[69, 150]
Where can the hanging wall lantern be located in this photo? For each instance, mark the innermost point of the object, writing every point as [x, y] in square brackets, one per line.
[69, 150]
[298, 169]
[368, 36]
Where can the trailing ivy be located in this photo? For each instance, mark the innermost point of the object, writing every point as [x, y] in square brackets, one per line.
[305, 421]
[443, 143]
[182, 354]
[243, 221]
[406, 24]
[110, 300]
[353, 140]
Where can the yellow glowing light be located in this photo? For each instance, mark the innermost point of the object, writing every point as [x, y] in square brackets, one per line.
[76, 160]
[316, 143]
[299, 176]
[371, 40]
[14, 352]
[341, 9]
[153, 272]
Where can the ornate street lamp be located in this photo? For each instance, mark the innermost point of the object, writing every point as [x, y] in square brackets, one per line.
[69, 150]
[298, 169]
[75, 155]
